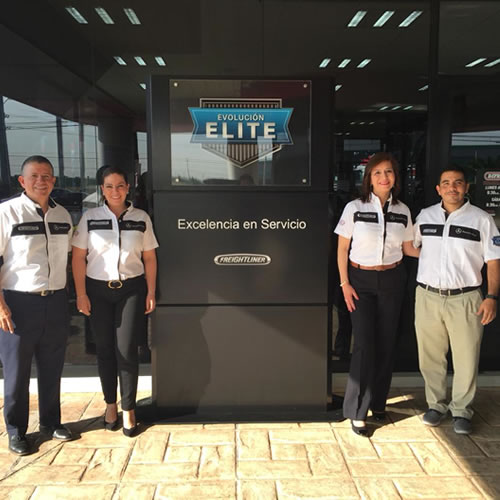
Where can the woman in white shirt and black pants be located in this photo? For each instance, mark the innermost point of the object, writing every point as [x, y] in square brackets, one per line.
[373, 232]
[114, 268]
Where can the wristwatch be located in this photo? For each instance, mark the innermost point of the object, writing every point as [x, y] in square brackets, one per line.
[491, 296]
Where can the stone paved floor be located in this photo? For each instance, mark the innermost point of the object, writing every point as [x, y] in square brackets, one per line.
[402, 459]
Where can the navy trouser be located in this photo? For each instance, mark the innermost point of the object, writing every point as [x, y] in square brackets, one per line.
[116, 319]
[41, 327]
[374, 326]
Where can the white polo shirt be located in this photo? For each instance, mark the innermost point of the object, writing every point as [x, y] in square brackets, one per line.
[34, 245]
[115, 245]
[455, 248]
[375, 240]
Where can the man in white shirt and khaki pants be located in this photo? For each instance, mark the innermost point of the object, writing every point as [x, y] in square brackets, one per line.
[456, 239]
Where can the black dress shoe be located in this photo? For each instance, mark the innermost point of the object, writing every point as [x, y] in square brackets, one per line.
[379, 416]
[58, 432]
[130, 432]
[110, 426]
[19, 445]
[360, 431]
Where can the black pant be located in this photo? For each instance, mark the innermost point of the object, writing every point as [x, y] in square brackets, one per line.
[375, 324]
[41, 330]
[116, 318]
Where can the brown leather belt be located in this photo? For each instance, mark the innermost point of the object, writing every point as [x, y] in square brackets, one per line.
[375, 268]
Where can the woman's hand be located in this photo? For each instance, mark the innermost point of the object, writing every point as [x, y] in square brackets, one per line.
[349, 296]
[6, 323]
[83, 304]
[150, 303]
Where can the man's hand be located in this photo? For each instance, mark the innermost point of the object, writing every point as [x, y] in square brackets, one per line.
[488, 309]
[6, 322]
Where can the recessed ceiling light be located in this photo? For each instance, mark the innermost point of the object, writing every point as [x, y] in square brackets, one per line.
[119, 60]
[102, 13]
[76, 15]
[132, 16]
[352, 123]
[140, 61]
[407, 108]
[406, 22]
[383, 108]
[338, 87]
[143, 86]
[348, 133]
[383, 18]
[364, 63]
[357, 18]
[362, 123]
[344, 63]
[371, 123]
[160, 61]
[395, 108]
[425, 87]
[475, 62]
[324, 63]
[492, 63]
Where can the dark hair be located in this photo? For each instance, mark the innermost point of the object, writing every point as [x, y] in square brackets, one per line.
[453, 168]
[366, 186]
[37, 159]
[103, 172]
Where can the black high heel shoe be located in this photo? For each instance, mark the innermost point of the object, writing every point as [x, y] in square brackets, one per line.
[110, 426]
[130, 432]
[360, 431]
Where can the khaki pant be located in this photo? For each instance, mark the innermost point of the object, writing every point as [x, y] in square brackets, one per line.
[440, 322]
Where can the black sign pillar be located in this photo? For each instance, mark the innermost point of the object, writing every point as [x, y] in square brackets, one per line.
[240, 179]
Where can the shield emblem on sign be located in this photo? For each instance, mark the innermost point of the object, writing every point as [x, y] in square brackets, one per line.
[242, 155]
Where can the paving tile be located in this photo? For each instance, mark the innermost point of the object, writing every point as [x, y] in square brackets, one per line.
[326, 460]
[288, 452]
[253, 444]
[217, 462]
[74, 456]
[354, 446]
[183, 454]
[485, 432]
[435, 460]
[135, 492]
[257, 490]
[301, 436]
[314, 425]
[102, 439]
[403, 434]
[393, 450]
[319, 488]
[161, 427]
[105, 464]
[76, 492]
[490, 448]
[377, 489]
[203, 437]
[16, 492]
[150, 448]
[273, 469]
[385, 468]
[479, 466]
[433, 487]
[489, 486]
[154, 473]
[46, 474]
[271, 425]
[220, 426]
[458, 445]
[200, 489]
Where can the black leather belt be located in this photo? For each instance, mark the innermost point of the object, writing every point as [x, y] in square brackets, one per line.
[448, 293]
[42, 293]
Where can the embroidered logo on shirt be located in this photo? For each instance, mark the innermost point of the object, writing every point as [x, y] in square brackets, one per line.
[397, 218]
[94, 224]
[59, 227]
[465, 233]
[366, 217]
[132, 225]
[431, 229]
[496, 241]
[28, 228]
